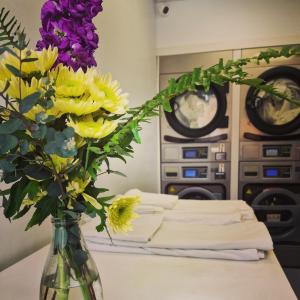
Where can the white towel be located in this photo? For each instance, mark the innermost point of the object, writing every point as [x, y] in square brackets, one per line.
[216, 207]
[161, 200]
[148, 209]
[244, 235]
[144, 228]
[211, 218]
[239, 241]
[241, 255]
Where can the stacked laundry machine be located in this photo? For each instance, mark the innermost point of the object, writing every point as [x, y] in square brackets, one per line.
[195, 136]
[269, 168]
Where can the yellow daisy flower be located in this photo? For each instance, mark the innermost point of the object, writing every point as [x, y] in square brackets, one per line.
[45, 59]
[108, 93]
[121, 213]
[86, 127]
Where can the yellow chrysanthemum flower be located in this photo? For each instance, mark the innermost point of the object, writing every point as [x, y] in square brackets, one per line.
[26, 88]
[78, 106]
[86, 127]
[121, 213]
[4, 72]
[108, 93]
[68, 83]
[45, 59]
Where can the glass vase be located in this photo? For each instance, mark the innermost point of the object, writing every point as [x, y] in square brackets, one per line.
[70, 273]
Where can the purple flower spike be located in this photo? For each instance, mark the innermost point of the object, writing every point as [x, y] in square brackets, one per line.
[67, 25]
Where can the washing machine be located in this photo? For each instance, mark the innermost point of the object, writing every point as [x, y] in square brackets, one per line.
[266, 121]
[197, 117]
[272, 189]
[198, 181]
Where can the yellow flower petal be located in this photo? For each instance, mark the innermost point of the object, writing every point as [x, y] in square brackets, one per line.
[108, 93]
[77, 106]
[86, 127]
[26, 88]
[68, 84]
[44, 60]
[121, 213]
[91, 200]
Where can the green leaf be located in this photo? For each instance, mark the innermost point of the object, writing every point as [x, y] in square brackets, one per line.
[54, 189]
[21, 213]
[7, 142]
[44, 208]
[18, 192]
[135, 132]
[13, 70]
[166, 105]
[40, 133]
[118, 173]
[28, 102]
[7, 166]
[24, 147]
[10, 126]
[95, 150]
[37, 172]
[80, 257]
[252, 81]
[28, 60]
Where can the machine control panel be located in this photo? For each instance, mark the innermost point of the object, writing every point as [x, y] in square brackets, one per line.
[280, 151]
[194, 172]
[277, 171]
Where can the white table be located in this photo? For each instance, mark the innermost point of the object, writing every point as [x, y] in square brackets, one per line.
[144, 277]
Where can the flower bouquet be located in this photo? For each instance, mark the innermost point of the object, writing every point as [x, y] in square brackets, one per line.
[61, 122]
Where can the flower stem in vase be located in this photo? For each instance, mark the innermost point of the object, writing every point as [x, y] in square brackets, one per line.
[63, 279]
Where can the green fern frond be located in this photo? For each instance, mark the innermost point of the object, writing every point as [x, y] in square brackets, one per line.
[11, 34]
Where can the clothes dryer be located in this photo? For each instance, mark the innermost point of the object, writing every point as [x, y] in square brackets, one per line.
[264, 119]
[196, 117]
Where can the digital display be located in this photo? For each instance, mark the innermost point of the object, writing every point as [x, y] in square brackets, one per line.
[190, 173]
[195, 153]
[190, 153]
[271, 172]
[272, 152]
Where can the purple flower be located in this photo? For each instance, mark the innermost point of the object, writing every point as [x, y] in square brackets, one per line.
[67, 24]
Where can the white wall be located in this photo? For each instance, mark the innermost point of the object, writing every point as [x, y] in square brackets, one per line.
[127, 50]
[203, 25]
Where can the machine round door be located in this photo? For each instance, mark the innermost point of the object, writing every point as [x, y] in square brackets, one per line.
[270, 114]
[275, 196]
[196, 114]
[196, 193]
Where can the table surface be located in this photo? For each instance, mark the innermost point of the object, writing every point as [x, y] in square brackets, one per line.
[136, 277]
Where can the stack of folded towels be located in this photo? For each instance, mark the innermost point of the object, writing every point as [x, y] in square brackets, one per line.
[219, 229]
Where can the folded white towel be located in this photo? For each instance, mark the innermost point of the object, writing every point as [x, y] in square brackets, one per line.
[148, 209]
[240, 255]
[244, 235]
[144, 228]
[216, 207]
[161, 200]
[210, 218]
